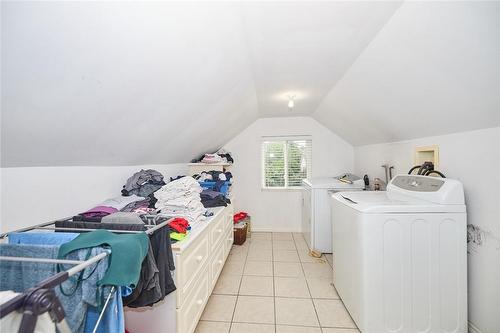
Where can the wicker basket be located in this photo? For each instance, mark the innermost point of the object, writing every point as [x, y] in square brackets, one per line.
[240, 235]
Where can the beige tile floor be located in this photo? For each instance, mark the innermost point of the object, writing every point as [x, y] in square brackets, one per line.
[271, 285]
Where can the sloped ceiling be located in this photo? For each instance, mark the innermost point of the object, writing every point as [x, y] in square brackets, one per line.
[110, 83]
[302, 49]
[433, 69]
[124, 83]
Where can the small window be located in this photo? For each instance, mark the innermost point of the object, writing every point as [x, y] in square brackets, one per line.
[285, 162]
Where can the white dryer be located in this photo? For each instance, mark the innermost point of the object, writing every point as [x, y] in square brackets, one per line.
[316, 222]
[400, 256]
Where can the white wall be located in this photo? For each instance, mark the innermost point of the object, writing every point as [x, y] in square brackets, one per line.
[473, 158]
[41, 194]
[280, 210]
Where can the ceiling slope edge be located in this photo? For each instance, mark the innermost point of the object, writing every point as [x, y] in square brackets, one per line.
[432, 70]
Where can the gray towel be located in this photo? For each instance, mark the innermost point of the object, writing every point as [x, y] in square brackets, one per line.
[123, 217]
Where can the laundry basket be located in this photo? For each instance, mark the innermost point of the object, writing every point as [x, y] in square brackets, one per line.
[240, 233]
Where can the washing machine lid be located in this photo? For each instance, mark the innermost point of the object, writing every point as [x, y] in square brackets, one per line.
[384, 202]
[332, 183]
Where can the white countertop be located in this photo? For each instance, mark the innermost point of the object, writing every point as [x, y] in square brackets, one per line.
[196, 230]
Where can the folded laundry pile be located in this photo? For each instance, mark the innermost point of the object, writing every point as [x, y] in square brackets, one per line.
[221, 156]
[211, 198]
[179, 228]
[213, 176]
[211, 158]
[181, 198]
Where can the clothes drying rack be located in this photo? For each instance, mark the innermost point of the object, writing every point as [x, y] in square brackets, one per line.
[42, 298]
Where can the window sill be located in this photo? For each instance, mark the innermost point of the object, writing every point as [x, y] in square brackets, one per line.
[278, 189]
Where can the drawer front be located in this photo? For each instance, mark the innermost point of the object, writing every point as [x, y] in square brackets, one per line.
[190, 263]
[216, 264]
[217, 232]
[189, 314]
[228, 241]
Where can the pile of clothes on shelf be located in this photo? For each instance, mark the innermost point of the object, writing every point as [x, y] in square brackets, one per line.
[215, 188]
[221, 156]
[181, 198]
[214, 175]
[210, 198]
[146, 196]
[144, 183]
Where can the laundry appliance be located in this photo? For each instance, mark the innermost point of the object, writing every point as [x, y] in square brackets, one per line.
[316, 224]
[400, 256]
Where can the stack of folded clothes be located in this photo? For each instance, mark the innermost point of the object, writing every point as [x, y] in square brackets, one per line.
[181, 198]
[211, 198]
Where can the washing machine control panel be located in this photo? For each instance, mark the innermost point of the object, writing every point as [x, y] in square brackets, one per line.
[418, 183]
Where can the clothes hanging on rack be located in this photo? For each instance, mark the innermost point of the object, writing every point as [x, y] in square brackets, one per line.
[144, 294]
[98, 225]
[113, 320]
[75, 294]
[128, 252]
[41, 238]
[74, 281]
[155, 281]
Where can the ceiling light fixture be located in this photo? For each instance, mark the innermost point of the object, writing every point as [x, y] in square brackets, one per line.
[291, 102]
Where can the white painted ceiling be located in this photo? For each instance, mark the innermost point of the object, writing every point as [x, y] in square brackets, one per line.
[433, 69]
[124, 83]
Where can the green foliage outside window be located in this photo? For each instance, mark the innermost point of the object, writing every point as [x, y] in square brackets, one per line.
[286, 171]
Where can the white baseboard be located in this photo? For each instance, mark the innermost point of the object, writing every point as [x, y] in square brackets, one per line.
[273, 230]
[474, 329]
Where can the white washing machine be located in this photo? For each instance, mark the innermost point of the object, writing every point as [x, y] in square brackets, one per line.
[316, 222]
[400, 256]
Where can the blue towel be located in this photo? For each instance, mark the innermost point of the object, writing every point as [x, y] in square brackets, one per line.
[113, 319]
[41, 238]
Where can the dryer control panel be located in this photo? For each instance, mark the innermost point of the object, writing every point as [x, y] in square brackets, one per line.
[419, 184]
[444, 191]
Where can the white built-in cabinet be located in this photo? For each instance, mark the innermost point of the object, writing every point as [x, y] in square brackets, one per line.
[199, 259]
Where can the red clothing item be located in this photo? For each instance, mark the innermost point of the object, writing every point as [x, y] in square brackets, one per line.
[239, 216]
[179, 224]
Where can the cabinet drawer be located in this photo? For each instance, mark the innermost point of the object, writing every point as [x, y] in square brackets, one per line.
[217, 232]
[228, 241]
[189, 264]
[189, 314]
[216, 264]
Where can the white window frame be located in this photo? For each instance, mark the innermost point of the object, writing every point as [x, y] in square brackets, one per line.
[285, 140]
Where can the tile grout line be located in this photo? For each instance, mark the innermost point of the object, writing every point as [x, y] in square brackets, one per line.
[238, 292]
[312, 300]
